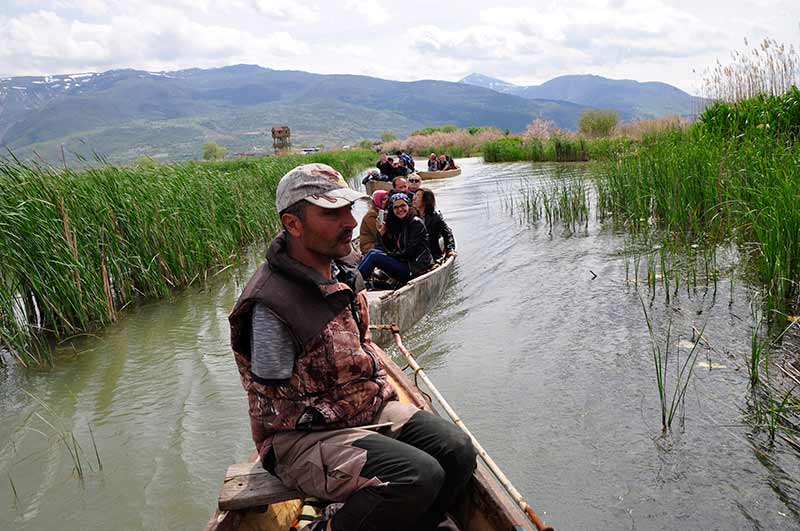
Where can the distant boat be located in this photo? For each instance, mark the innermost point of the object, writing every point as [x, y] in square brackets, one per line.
[444, 174]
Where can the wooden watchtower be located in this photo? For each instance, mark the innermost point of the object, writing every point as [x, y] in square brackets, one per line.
[281, 139]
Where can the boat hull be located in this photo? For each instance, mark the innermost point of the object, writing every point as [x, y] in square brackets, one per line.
[372, 186]
[431, 175]
[407, 305]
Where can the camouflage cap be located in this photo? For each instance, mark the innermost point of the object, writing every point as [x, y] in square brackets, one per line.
[319, 184]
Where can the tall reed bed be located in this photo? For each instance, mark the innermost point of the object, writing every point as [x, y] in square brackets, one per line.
[77, 247]
[731, 175]
[770, 68]
[556, 148]
[564, 200]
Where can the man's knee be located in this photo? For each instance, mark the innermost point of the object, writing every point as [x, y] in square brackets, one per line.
[464, 453]
[429, 477]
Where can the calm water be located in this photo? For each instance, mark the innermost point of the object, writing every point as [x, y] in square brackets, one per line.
[550, 368]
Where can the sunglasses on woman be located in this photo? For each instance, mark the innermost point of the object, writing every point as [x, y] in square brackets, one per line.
[414, 181]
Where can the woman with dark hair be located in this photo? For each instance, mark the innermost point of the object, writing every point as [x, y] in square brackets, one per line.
[402, 250]
[435, 225]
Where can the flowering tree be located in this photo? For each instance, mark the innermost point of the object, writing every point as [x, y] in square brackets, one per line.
[539, 129]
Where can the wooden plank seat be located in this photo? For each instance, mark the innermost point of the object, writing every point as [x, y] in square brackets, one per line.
[248, 485]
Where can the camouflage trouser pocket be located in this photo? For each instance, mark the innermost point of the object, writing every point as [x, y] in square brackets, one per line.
[330, 470]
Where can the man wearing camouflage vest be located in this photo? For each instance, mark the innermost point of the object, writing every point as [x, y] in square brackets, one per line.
[315, 383]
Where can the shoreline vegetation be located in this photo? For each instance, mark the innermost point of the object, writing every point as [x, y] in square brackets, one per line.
[600, 137]
[731, 176]
[79, 246]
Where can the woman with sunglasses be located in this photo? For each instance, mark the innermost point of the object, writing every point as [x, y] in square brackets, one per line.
[402, 250]
[435, 225]
[414, 182]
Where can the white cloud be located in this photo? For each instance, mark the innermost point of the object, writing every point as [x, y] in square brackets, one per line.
[287, 10]
[520, 41]
[536, 43]
[642, 30]
[153, 38]
[372, 10]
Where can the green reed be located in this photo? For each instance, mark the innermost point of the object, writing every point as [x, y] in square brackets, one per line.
[77, 246]
[732, 175]
[562, 201]
[671, 266]
[670, 398]
[554, 149]
[14, 492]
[775, 406]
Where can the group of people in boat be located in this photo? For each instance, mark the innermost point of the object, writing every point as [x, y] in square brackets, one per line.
[325, 418]
[388, 167]
[441, 163]
[402, 233]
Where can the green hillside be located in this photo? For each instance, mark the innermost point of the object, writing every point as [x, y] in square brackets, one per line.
[123, 114]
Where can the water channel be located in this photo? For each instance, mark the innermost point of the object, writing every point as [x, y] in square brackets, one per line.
[550, 366]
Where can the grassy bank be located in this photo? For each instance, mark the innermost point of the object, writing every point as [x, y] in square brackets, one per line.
[733, 174]
[78, 246]
[553, 149]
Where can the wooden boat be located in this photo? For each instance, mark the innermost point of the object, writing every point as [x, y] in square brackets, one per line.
[378, 185]
[407, 305]
[430, 175]
[484, 507]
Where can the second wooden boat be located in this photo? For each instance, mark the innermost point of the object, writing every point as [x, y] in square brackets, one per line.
[430, 175]
[371, 186]
[409, 303]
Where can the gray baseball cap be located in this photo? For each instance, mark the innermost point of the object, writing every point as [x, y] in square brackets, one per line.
[319, 184]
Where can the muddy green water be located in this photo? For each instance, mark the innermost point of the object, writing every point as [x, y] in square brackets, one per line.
[550, 368]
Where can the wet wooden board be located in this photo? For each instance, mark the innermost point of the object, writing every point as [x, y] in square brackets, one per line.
[249, 485]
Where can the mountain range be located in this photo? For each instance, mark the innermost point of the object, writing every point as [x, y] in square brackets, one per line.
[631, 99]
[123, 114]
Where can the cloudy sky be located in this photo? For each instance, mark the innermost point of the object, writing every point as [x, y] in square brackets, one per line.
[521, 42]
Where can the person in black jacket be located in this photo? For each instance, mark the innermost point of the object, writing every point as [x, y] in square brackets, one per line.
[402, 249]
[436, 227]
[386, 168]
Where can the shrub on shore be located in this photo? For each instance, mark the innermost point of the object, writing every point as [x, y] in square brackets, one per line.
[597, 124]
[542, 141]
[638, 129]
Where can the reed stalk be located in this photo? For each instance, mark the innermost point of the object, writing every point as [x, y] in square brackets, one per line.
[94, 445]
[669, 404]
[14, 491]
